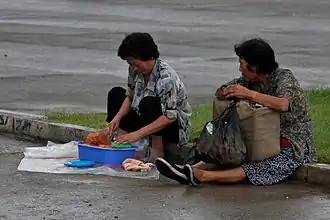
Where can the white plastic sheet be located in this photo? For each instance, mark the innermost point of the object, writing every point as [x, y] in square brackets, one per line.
[51, 158]
[52, 150]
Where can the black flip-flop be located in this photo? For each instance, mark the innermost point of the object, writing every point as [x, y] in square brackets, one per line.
[171, 171]
[188, 171]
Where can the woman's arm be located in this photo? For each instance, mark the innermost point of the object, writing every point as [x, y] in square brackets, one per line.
[284, 97]
[168, 102]
[240, 81]
[276, 103]
[273, 102]
[126, 106]
[156, 125]
[285, 94]
[124, 109]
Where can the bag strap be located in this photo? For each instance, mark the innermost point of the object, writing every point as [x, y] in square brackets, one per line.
[232, 104]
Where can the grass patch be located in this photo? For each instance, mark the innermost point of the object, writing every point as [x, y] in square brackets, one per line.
[319, 105]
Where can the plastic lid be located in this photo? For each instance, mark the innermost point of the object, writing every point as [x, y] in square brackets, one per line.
[121, 145]
[79, 163]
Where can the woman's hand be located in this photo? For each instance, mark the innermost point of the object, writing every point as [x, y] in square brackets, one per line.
[238, 91]
[128, 138]
[113, 126]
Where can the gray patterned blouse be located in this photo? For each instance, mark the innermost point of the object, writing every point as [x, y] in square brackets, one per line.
[296, 124]
[164, 83]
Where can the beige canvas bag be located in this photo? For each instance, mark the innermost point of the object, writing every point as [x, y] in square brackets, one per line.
[261, 128]
[219, 105]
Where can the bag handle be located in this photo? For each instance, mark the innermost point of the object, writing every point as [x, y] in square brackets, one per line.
[232, 104]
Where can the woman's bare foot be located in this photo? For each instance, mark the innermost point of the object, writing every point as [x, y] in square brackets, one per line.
[199, 174]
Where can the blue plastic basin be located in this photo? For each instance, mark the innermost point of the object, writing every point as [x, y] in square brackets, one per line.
[105, 155]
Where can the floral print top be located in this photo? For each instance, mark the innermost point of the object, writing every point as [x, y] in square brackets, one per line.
[166, 84]
[296, 123]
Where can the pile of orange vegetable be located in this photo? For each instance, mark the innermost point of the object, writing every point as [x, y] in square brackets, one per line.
[98, 138]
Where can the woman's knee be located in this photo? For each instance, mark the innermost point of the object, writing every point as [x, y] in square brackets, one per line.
[116, 97]
[116, 91]
[150, 106]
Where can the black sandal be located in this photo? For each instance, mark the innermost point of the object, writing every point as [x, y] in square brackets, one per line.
[171, 171]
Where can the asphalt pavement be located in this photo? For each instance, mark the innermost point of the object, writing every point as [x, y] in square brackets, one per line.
[27, 195]
[61, 54]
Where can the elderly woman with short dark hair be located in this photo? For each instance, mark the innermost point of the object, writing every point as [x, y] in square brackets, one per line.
[280, 91]
[155, 102]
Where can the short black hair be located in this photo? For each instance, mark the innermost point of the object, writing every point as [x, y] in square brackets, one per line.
[257, 52]
[138, 45]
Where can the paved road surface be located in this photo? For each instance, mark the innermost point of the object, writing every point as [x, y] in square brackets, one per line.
[25, 195]
[61, 54]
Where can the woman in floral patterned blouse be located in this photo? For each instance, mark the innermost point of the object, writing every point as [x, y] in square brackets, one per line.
[280, 92]
[155, 101]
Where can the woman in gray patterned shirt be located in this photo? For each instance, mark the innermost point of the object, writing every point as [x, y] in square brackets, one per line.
[279, 91]
[155, 102]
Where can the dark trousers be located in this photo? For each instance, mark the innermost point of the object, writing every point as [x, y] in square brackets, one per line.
[150, 110]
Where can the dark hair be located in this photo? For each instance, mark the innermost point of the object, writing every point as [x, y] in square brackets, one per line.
[138, 45]
[257, 52]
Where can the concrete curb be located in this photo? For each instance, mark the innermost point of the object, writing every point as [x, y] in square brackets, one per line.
[38, 126]
[316, 173]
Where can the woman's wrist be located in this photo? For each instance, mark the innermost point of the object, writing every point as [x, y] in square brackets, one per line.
[253, 95]
[142, 132]
[118, 117]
